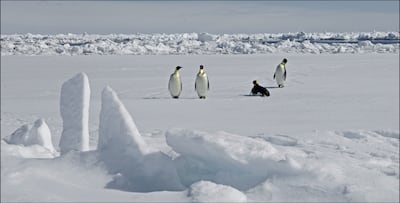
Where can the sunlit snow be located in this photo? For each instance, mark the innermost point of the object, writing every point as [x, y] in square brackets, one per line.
[330, 135]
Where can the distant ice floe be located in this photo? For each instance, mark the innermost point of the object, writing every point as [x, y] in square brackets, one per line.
[199, 43]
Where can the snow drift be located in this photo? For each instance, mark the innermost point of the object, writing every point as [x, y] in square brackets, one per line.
[199, 43]
[205, 191]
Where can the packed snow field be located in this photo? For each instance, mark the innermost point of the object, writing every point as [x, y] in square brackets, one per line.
[105, 128]
[199, 43]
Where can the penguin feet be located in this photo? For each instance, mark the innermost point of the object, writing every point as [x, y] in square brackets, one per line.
[280, 86]
[202, 97]
[175, 97]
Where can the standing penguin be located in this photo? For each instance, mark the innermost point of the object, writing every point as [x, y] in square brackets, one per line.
[280, 73]
[175, 83]
[202, 85]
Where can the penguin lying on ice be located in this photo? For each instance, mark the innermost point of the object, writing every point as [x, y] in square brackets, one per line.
[258, 89]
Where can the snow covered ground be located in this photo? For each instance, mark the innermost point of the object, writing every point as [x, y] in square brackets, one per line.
[331, 134]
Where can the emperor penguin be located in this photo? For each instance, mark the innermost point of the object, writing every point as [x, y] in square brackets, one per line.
[280, 73]
[175, 83]
[202, 85]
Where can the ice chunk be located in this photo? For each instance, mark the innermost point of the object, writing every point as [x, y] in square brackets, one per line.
[122, 149]
[27, 135]
[224, 158]
[205, 37]
[19, 136]
[40, 134]
[116, 128]
[74, 108]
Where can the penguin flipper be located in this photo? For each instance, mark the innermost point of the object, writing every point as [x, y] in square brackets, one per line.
[169, 82]
[284, 75]
[274, 75]
[208, 84]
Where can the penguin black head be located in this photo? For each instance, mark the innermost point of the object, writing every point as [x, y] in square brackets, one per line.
[201, 67]
[178, 67]
[284, 60]
[255, 82]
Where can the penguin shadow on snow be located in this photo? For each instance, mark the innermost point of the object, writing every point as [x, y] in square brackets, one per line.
[155, 97]
[169, 98]
[272, 87]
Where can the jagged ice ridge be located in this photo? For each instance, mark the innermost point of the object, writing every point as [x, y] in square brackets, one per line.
[199, 43]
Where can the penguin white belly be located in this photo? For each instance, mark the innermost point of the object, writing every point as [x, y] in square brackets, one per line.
[175, 86]
[279, 76]
[202, 85]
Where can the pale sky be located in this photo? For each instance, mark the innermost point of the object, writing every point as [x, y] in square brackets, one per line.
[216, 17]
